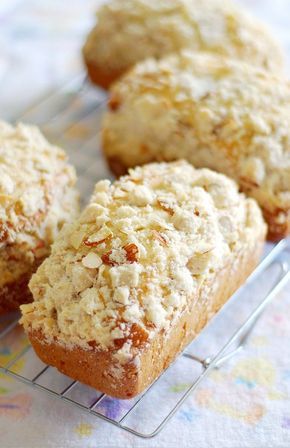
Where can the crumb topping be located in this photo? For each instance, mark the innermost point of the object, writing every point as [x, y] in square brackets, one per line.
[213, 112]
[128, 31]
[37, 196]
[129, 267]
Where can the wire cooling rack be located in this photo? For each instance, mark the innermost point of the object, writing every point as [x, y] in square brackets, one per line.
[71, 117]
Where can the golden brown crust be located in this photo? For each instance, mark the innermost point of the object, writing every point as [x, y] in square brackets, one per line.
[116, 166]
[277, 229]
[14, 294]
[96, 368]
[100, 76]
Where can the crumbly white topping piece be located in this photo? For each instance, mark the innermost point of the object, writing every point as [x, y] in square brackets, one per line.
[128, 31]
[212, 111]
[37, 196]
[138, 255]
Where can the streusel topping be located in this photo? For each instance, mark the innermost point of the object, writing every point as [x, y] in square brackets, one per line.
[32, 171]
[128, 31]
[211, 111]
[137, 256]
[37, 196]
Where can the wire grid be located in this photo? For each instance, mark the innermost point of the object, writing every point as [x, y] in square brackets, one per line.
[71, 118]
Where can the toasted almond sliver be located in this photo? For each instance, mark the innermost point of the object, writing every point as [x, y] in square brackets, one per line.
[106, 259]
[91, 260]
[158, 236]
[165, 206]
[103, 235]
[132, 252]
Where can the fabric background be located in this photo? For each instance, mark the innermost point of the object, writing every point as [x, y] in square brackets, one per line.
[246, 404]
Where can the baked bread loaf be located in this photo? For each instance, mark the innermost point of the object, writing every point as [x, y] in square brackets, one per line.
[214, 112]
[37, 196]
[128, 31]
[129, 284]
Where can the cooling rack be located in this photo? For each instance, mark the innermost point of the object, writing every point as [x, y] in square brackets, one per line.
[71, 117]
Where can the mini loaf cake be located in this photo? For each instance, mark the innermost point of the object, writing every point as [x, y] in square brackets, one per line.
[214, 112]
[151, 259]
[37, 196]
[128, 31]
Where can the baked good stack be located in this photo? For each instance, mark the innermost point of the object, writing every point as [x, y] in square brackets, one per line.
[37, 196]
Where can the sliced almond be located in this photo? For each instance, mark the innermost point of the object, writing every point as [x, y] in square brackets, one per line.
[91, 213]
[107, 260]
[100, 237]
[166, 206]
[92, 261]
[198, 263]
[162, 240]
[132, 252]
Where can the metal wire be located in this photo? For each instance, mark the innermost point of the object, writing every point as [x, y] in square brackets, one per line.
[86, 156]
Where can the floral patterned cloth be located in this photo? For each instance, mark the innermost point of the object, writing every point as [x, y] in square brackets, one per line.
[246, 403]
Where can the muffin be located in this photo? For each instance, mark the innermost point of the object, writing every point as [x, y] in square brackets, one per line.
[37, 196]
[128, 31]
[150, 260]
[214, 112]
